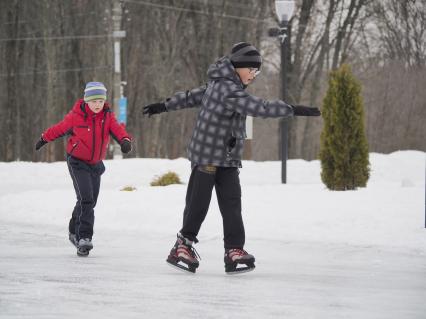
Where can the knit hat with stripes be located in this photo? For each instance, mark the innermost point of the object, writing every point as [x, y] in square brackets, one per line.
[245, 55]
[94, 91]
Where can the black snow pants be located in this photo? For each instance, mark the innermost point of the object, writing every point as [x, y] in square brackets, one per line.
[86, 179]
[228, 191]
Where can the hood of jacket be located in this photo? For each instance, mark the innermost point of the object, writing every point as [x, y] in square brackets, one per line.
[223, 69]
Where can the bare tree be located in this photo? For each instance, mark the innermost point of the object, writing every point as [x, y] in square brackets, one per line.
[401, 27]
[322, 34]
[50, 48]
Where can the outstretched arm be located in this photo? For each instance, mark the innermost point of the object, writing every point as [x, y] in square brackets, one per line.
[187, 99]
[243, 103]
[180, 100]
[52, 133]
[60, 129]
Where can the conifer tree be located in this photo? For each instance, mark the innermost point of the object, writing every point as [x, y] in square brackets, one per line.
[344, 147]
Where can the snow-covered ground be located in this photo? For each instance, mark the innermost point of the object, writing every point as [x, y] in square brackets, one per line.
[320, 254]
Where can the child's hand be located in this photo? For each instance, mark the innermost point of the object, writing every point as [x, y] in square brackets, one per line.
[40, 143]
[301, 110]
[155, 108]
[126, 145]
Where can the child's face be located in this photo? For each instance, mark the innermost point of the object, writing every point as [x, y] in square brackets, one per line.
[96, 105]
[247, 75]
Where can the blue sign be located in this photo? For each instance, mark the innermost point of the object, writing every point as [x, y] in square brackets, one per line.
[122, 110]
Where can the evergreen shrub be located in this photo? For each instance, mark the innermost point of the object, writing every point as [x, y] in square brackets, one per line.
[344, 148]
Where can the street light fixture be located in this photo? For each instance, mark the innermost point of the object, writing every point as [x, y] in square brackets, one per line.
[284, 10]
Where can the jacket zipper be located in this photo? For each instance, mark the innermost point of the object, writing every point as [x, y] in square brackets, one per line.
[94, 140]
[102, 135]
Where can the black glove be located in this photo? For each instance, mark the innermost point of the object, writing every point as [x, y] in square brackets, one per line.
[155, 108]
[40, 143]
[301, 110]
[126, 146]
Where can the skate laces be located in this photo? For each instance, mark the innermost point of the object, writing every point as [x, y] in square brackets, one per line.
[239, 251]
[191, 249]
[236, 251]
[195, 253]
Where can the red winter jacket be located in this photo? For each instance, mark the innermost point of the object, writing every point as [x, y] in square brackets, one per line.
[89, 132]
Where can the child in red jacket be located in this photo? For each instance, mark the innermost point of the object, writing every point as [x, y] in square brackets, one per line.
[89, 124]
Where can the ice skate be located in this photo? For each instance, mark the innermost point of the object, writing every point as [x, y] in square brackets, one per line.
[238, 261]
[183, 255]
[84, 246]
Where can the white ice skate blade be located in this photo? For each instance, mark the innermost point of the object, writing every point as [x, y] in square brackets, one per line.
[238, 272]
[181, 269]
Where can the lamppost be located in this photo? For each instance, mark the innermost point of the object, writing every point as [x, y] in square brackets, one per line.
[120, 102]
[284, 10]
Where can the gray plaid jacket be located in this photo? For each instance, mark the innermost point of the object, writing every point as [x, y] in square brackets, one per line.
[219, 133]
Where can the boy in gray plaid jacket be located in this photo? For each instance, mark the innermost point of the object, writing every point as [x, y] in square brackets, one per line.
[215, 151]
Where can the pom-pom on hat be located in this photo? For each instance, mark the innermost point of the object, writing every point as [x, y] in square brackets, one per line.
[245, 55]
[94, 91]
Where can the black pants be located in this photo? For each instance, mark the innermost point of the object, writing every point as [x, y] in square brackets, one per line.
[228, 190]
[86, 179]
